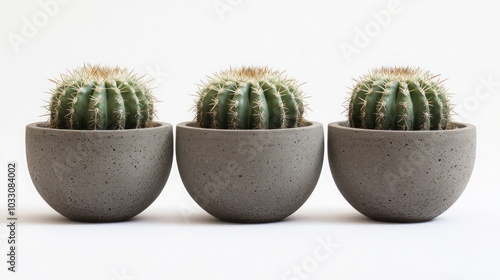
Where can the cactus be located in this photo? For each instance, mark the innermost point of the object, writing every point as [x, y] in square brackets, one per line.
[400, 99]
[250, 98]
[98, 98]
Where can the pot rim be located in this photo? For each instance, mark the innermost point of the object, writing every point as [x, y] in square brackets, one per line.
[191, 126]
[44, 126]
[459, 127]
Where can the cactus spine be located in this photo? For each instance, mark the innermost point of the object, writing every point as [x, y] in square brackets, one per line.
[98, 98]
[400, 99]
[250, 98]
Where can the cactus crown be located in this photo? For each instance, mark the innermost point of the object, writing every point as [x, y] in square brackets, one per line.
[250, 98]
[100, 97]
[400, 98]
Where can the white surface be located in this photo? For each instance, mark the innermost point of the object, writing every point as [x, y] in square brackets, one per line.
[179, 43]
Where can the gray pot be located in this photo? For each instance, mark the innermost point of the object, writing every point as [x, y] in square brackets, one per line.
[99, 175]
[401, 176]
[250, 176]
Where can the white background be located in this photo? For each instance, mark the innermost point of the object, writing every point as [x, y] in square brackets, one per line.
[179, 43]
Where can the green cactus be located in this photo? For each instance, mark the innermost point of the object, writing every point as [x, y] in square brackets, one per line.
[250, 98]
[400, 99]
[99, 98]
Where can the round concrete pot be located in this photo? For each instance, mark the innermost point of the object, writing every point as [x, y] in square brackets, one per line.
[401, 176]
[99, 175]
[250, 176]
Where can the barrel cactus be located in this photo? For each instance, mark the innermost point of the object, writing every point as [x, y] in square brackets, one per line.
[99, 98]
[399, 98]
[250, 98]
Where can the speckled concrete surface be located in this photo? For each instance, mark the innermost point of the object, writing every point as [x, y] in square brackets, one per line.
[99, 176]
[250, 176]
[401, 176]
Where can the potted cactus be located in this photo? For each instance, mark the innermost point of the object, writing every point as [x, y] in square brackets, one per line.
[250, 156]
[399, 157]
[101, 157]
